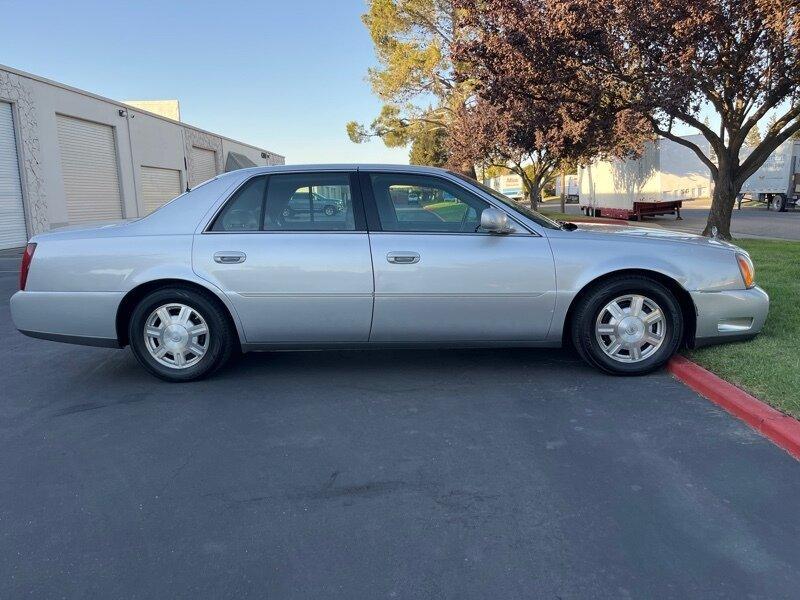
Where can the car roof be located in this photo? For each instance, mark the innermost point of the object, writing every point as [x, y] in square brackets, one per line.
[343, 167]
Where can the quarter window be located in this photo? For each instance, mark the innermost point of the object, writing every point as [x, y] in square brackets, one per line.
[309, 202]
[417, 203]
[243, 210]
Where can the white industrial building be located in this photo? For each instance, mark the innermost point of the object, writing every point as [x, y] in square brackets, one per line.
[68, 156]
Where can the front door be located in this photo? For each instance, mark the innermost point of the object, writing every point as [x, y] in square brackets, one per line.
[439, 278]
[294, 274]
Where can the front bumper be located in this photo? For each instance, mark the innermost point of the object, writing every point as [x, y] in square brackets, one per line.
[87, 318]
[729, 315]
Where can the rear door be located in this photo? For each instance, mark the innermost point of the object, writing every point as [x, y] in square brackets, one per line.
[439, 278]
[294, 277]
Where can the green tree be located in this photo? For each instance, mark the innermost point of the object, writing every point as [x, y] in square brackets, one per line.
[753, 138]
[428, 148]
[415, 77]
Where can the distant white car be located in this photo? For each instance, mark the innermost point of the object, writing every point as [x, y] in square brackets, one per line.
[225, 267]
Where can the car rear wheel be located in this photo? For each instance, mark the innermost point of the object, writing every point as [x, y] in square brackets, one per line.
[330, 210]
[178, 334]
[627, 326]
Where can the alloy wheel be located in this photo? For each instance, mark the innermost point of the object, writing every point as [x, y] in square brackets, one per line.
[630, 328]
[176, 335]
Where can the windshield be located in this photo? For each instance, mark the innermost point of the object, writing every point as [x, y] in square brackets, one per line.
[534, 216]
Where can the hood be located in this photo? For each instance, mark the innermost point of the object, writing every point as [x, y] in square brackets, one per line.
[652, 234]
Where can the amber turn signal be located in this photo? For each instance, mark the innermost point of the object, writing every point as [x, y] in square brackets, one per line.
[747, 270]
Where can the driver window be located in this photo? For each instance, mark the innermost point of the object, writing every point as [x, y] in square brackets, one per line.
[243, 210]
[420, 203]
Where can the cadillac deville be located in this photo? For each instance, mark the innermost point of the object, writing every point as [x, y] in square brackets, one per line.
[412, 256]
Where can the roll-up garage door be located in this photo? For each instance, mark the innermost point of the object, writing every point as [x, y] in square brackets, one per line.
[159, 186]
[12, 212]
[204, 166]
[89, 166]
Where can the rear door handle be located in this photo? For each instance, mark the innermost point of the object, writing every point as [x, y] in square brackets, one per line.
[229, 257]
[403, 258]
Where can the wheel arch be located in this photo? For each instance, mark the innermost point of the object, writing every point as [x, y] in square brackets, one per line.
[683, 297]
[136, 294]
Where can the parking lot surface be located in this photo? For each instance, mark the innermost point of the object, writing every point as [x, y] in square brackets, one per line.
[752, 221]
[386, 474]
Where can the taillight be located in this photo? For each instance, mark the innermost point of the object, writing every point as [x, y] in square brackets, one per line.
[26, 265]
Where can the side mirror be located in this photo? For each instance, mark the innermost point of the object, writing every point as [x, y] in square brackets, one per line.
[495, 221]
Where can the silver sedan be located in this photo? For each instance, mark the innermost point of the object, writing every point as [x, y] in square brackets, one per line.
[415, 256]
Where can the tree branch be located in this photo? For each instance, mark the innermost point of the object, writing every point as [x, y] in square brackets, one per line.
[686, 143]
[762, 152]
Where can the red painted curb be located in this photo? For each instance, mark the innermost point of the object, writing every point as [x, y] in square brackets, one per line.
[782, 429]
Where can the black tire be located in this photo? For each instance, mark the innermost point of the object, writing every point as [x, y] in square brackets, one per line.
[778, 203]
[221, 337]
[330, 210]
[590, 305]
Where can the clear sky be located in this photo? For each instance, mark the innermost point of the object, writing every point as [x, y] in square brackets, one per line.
[282, 75]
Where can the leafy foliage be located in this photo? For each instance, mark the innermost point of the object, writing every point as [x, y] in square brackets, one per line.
[415, 77]
[656, 62]
[428, 148]
[517, 114]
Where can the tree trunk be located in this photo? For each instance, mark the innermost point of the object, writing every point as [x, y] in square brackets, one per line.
[563, 192]
[468, 169]
[722, 202]
[533, 190]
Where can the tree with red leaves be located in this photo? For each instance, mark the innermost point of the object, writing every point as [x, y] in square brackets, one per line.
[513, 119]
[654, 61]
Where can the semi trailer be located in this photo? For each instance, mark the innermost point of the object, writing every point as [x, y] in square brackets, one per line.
[777, 181]
[665, 176]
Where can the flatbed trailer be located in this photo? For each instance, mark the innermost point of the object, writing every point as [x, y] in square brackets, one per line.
[639, 210]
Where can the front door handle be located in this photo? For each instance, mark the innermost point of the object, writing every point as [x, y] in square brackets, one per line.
[403, 258]
[229, 257]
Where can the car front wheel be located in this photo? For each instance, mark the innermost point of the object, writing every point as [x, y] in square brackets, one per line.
[180, 335]
[627, 326]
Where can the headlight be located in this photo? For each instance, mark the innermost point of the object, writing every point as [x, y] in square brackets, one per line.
[747, 270]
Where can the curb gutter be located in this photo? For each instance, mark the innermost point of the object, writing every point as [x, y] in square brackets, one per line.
[781, 429]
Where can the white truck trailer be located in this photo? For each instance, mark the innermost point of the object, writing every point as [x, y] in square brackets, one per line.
[509, 185]
[666, 175]
[571, 185]
[777, 181]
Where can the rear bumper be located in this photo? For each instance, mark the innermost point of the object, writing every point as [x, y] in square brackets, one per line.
[87, 318]
[729, 316]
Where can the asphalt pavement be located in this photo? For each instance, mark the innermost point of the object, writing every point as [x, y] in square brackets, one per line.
[388, 474]
[752, 221]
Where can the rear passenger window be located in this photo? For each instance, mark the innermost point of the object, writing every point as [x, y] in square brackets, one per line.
[309, 202]
[243, 210]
